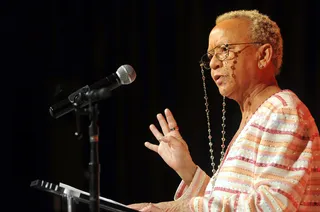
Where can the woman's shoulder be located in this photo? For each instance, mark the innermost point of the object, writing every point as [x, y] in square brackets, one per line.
[286, 100]
[287, 104]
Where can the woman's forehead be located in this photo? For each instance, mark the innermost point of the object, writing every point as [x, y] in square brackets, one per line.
[232, 30]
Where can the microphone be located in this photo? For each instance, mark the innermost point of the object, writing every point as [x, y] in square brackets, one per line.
[95, 92]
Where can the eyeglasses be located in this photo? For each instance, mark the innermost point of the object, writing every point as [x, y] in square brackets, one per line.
[221, 52]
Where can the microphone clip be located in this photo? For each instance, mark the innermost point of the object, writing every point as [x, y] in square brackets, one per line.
[77, 98]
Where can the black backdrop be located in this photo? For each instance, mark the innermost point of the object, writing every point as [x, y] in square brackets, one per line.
[56, 47]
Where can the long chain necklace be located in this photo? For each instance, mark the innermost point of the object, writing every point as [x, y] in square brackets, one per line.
[223, 125]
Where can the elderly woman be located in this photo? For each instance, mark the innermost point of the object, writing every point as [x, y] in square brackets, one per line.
[271, 162]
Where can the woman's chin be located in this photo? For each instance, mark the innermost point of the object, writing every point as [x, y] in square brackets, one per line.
[223, 91]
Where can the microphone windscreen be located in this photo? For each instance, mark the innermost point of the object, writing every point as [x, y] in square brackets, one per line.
[126, 74]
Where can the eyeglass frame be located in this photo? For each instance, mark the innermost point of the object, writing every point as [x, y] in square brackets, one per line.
[202, 63]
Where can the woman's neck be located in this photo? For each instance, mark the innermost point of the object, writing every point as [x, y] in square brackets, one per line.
[252, 100]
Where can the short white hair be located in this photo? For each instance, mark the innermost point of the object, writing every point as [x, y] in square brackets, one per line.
[263, 29]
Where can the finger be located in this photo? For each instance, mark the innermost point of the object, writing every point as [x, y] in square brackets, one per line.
[156, 132]
[163, 124]
[172, 124]
[151, 146]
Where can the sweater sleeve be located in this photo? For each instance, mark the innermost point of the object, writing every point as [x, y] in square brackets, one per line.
[196, 187]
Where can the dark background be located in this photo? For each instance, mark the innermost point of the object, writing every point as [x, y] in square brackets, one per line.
[51, 48]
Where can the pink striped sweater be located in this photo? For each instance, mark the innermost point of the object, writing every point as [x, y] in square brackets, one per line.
[273, 165]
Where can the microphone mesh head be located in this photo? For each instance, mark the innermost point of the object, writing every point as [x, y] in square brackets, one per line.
[126, 74]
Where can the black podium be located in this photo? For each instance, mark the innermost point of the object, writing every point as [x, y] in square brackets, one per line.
[75, 196]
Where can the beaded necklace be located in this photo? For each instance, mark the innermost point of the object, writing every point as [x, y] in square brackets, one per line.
[223, 125]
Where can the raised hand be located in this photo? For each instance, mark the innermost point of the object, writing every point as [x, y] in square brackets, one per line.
[172, 148]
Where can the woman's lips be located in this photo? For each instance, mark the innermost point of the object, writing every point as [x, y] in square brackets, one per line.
[218, 79]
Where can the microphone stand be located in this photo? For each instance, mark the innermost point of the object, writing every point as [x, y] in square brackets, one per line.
[94, 165]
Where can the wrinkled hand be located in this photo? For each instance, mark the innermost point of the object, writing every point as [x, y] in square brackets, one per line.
[172, 148]
[138, 206]
[151, 208]
[172, 206]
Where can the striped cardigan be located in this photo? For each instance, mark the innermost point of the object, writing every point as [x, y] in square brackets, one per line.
[273, 165]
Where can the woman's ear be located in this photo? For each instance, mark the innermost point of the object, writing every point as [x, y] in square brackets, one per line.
[265, 54]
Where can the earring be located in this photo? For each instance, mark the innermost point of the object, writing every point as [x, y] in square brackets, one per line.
[260, 66]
